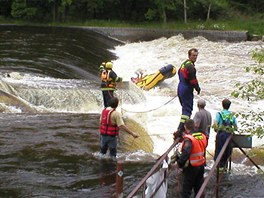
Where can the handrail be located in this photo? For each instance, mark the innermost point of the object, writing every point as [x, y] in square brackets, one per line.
[156, 165]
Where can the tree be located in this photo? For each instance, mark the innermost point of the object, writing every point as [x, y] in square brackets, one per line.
[210, 4]
[253, 121]
[185, 11]
[160, 10]
[21, 10]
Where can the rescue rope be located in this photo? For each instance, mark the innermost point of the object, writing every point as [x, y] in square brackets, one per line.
[157, 134]
[150, 109]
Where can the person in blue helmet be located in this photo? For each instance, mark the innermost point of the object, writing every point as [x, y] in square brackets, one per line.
[187, 83]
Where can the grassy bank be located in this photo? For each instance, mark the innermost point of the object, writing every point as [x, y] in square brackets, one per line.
[253, 26]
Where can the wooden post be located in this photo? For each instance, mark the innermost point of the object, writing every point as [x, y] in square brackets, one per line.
[119, 180]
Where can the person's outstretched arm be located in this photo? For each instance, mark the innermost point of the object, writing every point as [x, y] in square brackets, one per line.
[129, 131]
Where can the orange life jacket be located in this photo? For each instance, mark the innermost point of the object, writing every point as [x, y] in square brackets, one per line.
[199, 143]
[106, 126]
[106, 79]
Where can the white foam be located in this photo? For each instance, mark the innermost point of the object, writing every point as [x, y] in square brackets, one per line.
[220, 65]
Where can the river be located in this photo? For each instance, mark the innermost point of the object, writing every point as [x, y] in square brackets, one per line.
[49, 134]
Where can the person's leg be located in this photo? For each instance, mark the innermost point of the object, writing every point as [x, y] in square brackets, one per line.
[107, 95]
[103, 145]
[188, 180]
[199, 173]
[220, 141]
[112, 146]
[228, 151]
[185, 95]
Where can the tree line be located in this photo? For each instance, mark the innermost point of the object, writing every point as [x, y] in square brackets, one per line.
[128, 10]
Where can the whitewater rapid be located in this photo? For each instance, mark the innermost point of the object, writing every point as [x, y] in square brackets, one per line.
[220, 65]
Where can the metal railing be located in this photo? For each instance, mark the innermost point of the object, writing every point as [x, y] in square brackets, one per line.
[214, 169]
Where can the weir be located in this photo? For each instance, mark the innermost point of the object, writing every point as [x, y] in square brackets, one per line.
[143, 34]
[53, 95]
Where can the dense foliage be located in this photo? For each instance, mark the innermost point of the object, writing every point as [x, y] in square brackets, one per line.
[253, 91]
[128, 10]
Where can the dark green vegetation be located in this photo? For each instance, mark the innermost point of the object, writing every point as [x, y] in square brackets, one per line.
[253, 91]
[175, 14]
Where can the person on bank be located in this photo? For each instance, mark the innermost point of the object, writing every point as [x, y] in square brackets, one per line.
[110, 123]
[192, 159]
[225, 123]
[109, 79]
[202, 118]
[187, 83]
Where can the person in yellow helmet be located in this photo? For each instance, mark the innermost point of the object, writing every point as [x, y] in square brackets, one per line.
[108, 82]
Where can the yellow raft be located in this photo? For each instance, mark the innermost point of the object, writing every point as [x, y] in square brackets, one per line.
[151, 80]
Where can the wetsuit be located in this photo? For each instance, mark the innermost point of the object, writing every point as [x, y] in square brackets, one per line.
[187, 83]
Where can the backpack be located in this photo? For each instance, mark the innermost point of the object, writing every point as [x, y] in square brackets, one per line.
[228, 122]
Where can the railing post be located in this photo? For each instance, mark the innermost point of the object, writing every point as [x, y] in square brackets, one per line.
[119, 180]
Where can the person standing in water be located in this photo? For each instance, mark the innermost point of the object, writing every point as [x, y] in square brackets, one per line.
[108, 82]
[110, 123]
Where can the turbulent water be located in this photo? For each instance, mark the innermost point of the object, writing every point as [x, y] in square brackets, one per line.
[50, 104]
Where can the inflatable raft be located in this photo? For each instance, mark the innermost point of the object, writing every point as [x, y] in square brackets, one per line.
[151, 80]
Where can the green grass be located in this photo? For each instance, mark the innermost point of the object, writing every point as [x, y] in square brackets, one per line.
[253, 26]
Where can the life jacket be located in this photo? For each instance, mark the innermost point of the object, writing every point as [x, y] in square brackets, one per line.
[106, 126]
[228, 122]
[184, 75]
[199, 143]
[107, 81]
[183, 72]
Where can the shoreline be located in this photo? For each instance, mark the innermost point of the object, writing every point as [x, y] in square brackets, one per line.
[127, 34]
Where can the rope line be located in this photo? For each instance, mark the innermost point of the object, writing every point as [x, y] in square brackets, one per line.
[150, 109]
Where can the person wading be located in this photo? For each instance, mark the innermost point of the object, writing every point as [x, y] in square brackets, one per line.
[110, 123]
[108, 82]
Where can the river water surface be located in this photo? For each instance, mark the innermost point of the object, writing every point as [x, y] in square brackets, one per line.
[51, 101]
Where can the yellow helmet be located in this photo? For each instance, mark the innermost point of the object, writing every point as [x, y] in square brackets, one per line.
[109, 65]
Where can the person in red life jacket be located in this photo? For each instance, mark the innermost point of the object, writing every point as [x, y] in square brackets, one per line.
[108, 82]
[187, 83]
[192, 159]
[110, 123]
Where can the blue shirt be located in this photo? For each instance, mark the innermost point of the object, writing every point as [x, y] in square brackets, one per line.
[224, 112]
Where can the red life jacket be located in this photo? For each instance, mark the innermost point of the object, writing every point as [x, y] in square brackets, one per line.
[106, 127]
[199, 143]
